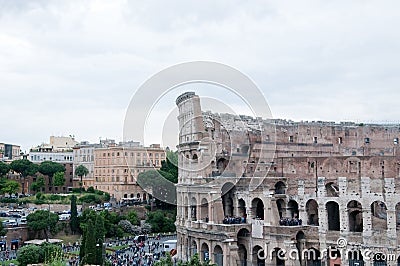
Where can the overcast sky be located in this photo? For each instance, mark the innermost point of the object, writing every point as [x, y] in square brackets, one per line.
[71, 68]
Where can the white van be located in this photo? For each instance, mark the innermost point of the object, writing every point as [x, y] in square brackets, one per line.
[169, 245]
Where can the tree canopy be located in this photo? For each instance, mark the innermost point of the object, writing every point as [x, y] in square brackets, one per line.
[9, 186]
[41, 220]
[81, 170]
[4, 169]
[59, 179]
[24, 167]
[49, 168]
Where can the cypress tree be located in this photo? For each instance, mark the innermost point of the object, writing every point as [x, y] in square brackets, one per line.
[74, 222]
[99, 233]
[90, 243]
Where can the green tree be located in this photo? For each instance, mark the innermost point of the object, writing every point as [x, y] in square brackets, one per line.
[74, 222]
[132, 217]
[59, 179]
[49, 168]
[160, 222]
[3, 231]
[10, 187]
[90, 244]
[39, 184]
[30, 254]
[42, 220]
[99, 234]
[24, 167]
[4, 169]
[81, 171]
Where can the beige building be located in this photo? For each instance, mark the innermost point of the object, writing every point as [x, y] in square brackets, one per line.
[276, 192]
[116, 168]
[9, 152]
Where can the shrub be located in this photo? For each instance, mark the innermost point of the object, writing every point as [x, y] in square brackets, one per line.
[29, 254]
[90, 198]
[99, 192]
[39, 196]
[90, 190]
[39, 201]
[8, 200]
[54, 197]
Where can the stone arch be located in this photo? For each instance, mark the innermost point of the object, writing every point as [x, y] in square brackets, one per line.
[243, 233]
[293, 208]
[300, 244]
[379, 259]
[242, 208]
[257, 208]
[312, 212]
[186, 207]
[218, 255]
[204, 210]
[194, 157]
[205, 252]
[397, 211]
[332, 190]
[331, 165]
[379, 215]
[355, 257]
[193, 247]
[280, 188]
[281, 205]
[278, 257]
[193, 208]
[242, 252]
[222, 164]
[354, 209]
[332, 209]
[313, 257]
[228, 194]
[258, 255]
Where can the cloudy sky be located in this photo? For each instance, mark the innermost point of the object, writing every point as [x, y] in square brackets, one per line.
[71, 68]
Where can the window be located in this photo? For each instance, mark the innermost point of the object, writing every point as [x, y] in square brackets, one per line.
[290, 138]
[396, 141]
[315, 140]
[366, 140]
[340, 140]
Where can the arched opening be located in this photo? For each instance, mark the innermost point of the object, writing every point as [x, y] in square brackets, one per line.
[204, 210]
[313, 257]
[355, 258]
[242, 208]
[205, 253]
[280, 204]
[397, 209]
[193, 248]
[218, 256]
[354, 209]
[193, 208]
[243, 233]
[312, 212]
[258, 256]
[332, 209]
[379, 216]
[227, 192]
[242, 252]
[379, 259]
[221, 165]
[300, 244]
[293, 209]
[280, 188]
[257, 208]
[332, 190]
[278, 257]
[144, 196]
[186, 208]
[194, 157]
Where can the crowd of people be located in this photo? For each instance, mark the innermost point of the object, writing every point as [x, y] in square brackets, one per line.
[234, 220]
[290, 221]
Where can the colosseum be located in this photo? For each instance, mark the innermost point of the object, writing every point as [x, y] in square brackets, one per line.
[255, 191]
